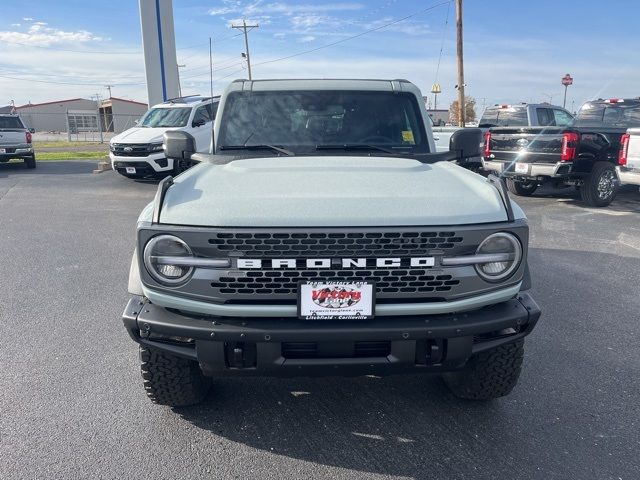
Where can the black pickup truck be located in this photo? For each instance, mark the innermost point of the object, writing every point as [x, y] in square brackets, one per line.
[583, 154]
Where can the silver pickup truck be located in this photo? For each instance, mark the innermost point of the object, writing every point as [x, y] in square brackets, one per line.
[325, 236]
[15, 140]
[628, 168]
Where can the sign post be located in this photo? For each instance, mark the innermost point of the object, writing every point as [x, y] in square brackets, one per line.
[566, 81]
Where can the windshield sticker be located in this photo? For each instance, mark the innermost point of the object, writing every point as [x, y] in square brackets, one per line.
[407, 136]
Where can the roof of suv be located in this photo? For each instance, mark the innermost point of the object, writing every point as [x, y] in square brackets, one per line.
[186, 101]
[322, 84]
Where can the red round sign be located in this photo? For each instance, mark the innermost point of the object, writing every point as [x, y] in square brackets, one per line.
[567, 80]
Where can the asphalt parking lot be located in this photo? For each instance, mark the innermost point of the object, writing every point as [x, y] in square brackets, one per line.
[72, 403]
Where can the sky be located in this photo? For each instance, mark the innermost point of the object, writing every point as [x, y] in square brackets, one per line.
[514, 51]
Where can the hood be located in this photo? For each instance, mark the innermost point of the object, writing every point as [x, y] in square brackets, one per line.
[330, 191]
[141, 135]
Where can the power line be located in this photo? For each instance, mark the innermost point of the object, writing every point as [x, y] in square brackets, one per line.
[444, 31]
[100, 52]
[354, 36]
[22, 79]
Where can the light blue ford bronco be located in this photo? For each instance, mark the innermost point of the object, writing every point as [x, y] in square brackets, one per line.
[326, 236]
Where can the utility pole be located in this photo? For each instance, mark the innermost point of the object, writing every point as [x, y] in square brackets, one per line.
[179, 83]
[108, 87]
[246, 28]
[461, 104]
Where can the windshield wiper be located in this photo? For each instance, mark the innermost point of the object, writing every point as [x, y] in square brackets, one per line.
[258, 147]
[358, 146]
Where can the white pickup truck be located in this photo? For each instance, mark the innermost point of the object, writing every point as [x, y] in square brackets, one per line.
[628, 168]
[15, 140]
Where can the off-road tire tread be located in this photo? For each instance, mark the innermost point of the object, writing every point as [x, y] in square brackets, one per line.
[589, 190]
[171, 380]
[517, 189]
[488, 375]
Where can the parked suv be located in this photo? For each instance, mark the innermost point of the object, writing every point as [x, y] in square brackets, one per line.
[15, 140]
[326, 236]
[138, 151]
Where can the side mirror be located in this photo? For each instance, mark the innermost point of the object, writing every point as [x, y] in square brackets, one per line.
[466, 143]
[198, 123]
[179, 145]
[32, 130]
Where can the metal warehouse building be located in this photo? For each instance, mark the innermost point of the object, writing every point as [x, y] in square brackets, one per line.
[80, 114]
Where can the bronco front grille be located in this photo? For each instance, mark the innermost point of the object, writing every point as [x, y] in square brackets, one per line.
[267, 284]
[359, 244]
[388, 281]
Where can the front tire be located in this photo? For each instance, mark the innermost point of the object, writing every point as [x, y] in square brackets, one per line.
[30, 162]
[600, 188]
[523, 189]
[488, 375]
[171, 380]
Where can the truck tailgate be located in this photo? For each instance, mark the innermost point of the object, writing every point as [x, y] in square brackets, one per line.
[11, 137]
[633, 154]
[527, 145]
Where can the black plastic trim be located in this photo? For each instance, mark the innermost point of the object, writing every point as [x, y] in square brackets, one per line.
[163, 186]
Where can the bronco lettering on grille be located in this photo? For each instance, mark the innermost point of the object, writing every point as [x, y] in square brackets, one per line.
[292, 263]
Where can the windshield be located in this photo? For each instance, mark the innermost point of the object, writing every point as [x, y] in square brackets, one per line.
[303, 121]
[165, 117]
[504, 117]
[10, 123]
[608, 115]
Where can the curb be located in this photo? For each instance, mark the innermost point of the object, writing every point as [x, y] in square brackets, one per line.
[103, 167]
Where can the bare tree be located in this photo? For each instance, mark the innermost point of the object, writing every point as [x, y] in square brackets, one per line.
[470, 112]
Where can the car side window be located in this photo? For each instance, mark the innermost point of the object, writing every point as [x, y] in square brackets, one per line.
[545, 118]
[563, 119]
[203, 113]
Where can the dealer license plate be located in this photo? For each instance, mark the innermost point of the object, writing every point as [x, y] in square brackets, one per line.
[522, 168]
[131, 169]
[336, 300]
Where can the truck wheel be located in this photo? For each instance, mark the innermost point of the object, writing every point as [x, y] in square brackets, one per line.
[30, 162]
[489, 374]
[171, 380]
[524, 189]
[600, 188]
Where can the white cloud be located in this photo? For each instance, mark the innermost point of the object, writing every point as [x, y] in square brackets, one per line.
[41, 35]
[16, 24]
[259, 7]
[307, 39]
[308, 21]
[27, 19]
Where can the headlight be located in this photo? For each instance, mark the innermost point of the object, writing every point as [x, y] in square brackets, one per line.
[112, 148]
[500, 243]
[155, 147]
[162, 256]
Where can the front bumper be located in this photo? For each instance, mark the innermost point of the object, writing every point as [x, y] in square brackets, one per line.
[627, 176]
[153, 163]
[292, 347]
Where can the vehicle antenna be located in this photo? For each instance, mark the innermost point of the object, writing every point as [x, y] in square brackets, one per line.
[212, 145]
